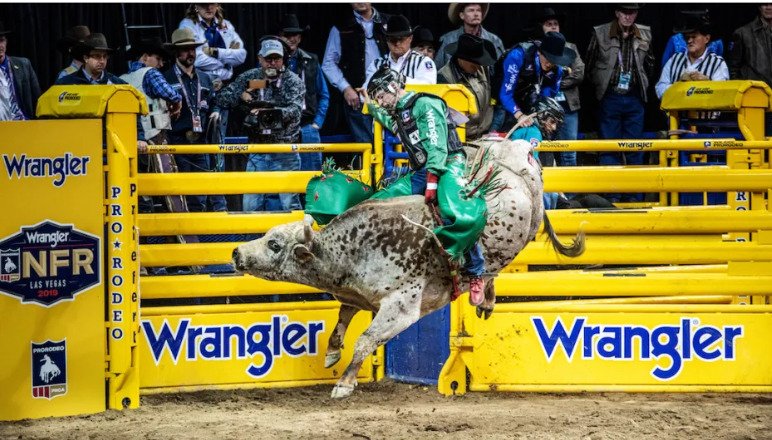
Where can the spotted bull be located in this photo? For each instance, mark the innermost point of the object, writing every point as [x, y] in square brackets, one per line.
[381, 256]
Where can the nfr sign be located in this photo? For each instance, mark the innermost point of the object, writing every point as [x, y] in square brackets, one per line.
[48, 262]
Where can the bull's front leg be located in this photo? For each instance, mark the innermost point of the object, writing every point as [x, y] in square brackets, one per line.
[398, 312]
[345, 315]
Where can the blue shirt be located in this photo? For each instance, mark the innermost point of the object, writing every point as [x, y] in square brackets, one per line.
[548, 83]
[154, 84]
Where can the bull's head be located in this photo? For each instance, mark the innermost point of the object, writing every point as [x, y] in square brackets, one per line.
[280, 254]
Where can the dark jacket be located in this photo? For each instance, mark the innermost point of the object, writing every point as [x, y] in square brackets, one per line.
[185, 121]
[308, 65]
[80, 78]
[26, 83]
[751, 54]
[352, 46]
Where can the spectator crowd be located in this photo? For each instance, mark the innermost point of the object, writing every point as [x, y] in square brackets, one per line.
[530, 90]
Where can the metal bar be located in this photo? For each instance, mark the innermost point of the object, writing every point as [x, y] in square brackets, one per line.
[679, 299]
[689, 220]
[258, 148]
[238, 308]
[648, 179]
[555, 283]
[612, 249]
[628, 145]
[686, 220]
[570, 388]
[557, 307]
[214, 222]
[204, 286]
[258, 182]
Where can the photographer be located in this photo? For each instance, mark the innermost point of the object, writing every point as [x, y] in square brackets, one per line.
[273, 99]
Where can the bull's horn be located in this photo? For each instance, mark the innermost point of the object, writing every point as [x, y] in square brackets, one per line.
[308, 231]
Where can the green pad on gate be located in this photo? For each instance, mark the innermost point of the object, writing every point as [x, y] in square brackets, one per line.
[332, 193]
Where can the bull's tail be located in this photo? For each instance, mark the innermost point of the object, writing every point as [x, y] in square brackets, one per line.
[576, 247]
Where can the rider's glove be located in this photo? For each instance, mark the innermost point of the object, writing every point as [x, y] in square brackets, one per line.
[430, 196]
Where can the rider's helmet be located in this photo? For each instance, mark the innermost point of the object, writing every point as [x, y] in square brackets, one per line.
[546, 107]
[385, 79]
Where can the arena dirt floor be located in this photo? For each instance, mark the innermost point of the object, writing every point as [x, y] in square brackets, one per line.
[389, 410]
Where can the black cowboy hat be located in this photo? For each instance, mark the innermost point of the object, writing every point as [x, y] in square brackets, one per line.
[4, 30]
[694, 23]
[398, 26]
[182, 37]
[95, 41]
[549, 13]
[553, 47]
[455, 8]
[422, 35]
[473, 49]
[72, 36]
[628, 6]
[291, 25]
[152, 45]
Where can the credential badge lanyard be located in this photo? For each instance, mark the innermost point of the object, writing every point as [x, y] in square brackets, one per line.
[196, 117]
[624, 76]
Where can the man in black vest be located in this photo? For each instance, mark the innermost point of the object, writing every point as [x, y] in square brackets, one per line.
[351, 47]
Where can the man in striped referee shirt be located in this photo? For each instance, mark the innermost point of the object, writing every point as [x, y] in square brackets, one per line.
[417, 68]
[697, 64]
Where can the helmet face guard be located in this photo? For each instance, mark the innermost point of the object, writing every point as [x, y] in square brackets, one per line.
[386, 80]
[549, 108]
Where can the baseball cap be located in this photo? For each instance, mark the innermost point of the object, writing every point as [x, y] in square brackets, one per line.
[271, 47]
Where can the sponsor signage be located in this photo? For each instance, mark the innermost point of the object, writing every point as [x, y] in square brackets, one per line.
[49, 262]
[49, 369]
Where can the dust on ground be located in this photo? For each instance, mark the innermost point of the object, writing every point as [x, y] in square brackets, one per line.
[389, 410]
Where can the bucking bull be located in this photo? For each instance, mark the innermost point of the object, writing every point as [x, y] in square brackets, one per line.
[381, 255]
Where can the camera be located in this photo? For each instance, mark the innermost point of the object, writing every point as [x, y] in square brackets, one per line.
[265, 121]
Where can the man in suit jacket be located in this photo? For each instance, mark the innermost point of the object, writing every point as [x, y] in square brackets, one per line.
[19, 88]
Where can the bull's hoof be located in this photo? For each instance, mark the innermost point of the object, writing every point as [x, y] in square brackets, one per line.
[341, 391]
[483, 311]
[331, 358]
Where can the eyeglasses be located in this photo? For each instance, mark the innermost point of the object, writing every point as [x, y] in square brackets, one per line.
[396, 40]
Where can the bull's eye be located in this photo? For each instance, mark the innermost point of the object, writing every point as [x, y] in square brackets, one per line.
[274, 246]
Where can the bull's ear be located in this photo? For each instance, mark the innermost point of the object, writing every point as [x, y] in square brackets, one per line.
[302, 253]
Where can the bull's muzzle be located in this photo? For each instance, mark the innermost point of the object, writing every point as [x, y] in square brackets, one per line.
[237, 261]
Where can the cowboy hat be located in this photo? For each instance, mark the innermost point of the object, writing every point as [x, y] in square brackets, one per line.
[553, 47]
[473, 49]
[152, 45]
[693, 23]
[72, 36]
[182, 37]
[4, 30]
[628, 6]
[95, 41]
[549, 13]
[455, 8]
[423, 36]
[398, 26]
[291, 25]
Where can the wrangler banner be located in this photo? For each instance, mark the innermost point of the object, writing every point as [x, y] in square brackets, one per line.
[51, 268]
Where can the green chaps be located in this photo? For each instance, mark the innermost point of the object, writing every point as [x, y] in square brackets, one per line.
[464, 216]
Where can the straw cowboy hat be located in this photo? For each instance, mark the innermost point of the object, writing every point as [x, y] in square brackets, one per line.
[455, 8]
[182, 38]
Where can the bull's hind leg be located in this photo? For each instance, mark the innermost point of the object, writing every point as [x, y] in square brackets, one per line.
[398, 312]
[345, 315]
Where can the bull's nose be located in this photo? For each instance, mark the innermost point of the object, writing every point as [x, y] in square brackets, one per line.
[236, 258]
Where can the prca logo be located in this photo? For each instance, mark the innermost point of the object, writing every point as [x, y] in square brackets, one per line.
[49, 369]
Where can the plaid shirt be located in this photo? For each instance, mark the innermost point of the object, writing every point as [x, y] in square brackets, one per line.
[155, 85]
